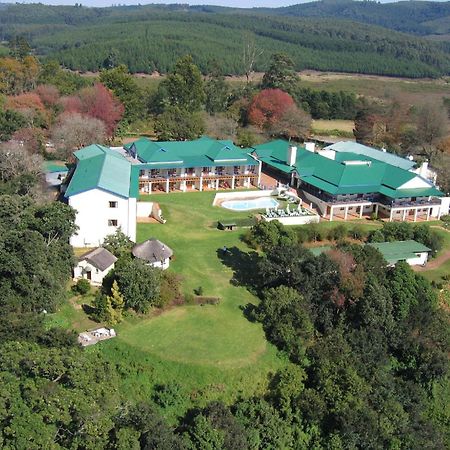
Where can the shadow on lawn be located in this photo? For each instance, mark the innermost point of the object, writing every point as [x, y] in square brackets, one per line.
[243, 265]
[245, 273]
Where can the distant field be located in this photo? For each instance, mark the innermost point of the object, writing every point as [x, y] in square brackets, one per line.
[342, 128]
[408, 90]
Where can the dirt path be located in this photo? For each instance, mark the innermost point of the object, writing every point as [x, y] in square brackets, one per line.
[436, 262]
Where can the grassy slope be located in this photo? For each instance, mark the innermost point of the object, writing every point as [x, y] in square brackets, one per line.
[212, 351]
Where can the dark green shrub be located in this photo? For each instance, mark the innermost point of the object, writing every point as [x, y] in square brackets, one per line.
[81, 287]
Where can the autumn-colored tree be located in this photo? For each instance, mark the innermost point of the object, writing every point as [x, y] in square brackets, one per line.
[32, 139]
[25, 101]
[74, 131]
[18, 76]
[352, 277]
[268, 107]
[71, 104]
[293, 123]
[100, 103]
[30, 106]
[48, 94]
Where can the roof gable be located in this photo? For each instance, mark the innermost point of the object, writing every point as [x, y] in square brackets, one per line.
[99, 257]
[99, 167]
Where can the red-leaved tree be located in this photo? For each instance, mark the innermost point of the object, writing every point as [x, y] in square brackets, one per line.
[100, 103]
[48, 94]
[71, 104]
[268, 107]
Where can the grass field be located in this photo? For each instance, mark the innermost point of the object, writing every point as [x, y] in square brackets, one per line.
[341, 128]
[212, 352]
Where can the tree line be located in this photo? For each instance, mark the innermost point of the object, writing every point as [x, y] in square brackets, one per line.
[83, 39]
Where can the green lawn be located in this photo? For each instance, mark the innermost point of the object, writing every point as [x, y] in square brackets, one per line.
[212, 351]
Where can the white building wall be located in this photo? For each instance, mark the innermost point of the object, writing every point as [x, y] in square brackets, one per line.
[419, 260]
[83, 267]
[94, 212]
[161, 264]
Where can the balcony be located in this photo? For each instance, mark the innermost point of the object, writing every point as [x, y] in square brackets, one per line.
[410, 203]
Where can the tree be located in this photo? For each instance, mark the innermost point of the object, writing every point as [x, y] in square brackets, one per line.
[98, 102]
[431, 126]
[119, 244]
[267, 235]
[178, 124]
[74, 131]
[10, 121]
[280, 74]
[77, 387]
[203, 435]
[267, 107]
[138, 283]
[250, 55]
[216, 94]
[124, 86]
[219, 126]
[286, 321]
[183, 87]
[364, 126]
[16, 163]
[49, 94]
[19, 47]
[117, 303]
[32, 139]
[294, 123]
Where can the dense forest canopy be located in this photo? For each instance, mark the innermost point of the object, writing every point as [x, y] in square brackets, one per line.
[415, 17]
[152, 37]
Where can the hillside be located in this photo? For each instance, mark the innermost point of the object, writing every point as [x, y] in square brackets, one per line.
[417, 17]
[152, 37]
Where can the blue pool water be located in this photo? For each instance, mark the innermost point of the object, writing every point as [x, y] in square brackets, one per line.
[254, 203]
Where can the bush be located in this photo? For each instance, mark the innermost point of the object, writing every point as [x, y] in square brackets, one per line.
[358, 232]
[198, 291]
[81, 287]
[446, 220]
[170, 289]
[337, 233]
[189, 298]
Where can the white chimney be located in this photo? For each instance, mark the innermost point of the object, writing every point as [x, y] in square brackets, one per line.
[424, 169]
[292, 155]
[310, 146]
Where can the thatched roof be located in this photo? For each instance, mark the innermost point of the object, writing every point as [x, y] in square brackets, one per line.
[152, 251]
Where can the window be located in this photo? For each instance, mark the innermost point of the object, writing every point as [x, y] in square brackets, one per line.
[112, 222]
[113, 204]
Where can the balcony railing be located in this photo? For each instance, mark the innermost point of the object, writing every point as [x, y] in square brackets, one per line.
[413, 203]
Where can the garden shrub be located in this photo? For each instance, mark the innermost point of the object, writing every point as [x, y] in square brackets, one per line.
[81, 287]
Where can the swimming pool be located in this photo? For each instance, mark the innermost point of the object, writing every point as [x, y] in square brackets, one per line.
[254, 203]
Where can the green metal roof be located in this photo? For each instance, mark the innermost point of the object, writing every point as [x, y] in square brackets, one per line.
[202, 152]
[348, 174]
[372, 153]
[399, 250]
[101, 168]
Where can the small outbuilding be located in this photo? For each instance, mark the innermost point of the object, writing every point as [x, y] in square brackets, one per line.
[154, 253]
[413, 252]
[94, 265]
